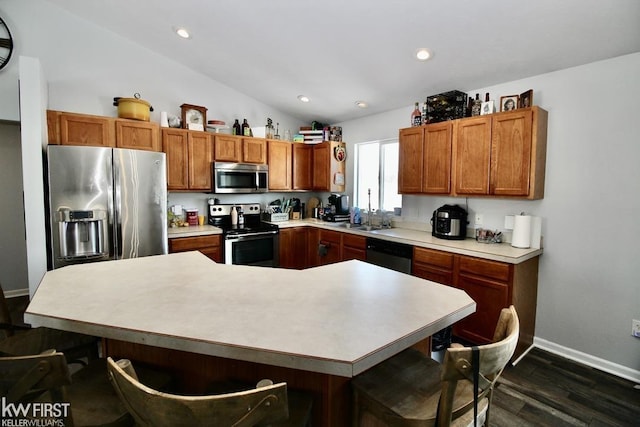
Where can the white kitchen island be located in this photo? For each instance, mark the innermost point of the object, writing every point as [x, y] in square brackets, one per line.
[333, 321]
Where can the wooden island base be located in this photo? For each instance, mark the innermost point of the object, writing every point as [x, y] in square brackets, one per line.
[195, 374]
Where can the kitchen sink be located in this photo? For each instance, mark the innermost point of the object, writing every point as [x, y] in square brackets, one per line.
[349, 226]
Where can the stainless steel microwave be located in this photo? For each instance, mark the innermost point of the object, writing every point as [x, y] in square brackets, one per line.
[240, 178]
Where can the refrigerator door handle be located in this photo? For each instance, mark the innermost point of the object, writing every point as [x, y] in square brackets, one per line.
[117, 220]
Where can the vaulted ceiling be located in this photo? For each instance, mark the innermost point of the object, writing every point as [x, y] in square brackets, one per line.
[337, 52]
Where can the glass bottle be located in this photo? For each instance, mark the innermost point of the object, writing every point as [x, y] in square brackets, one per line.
[424, 113]
[236, 128]
[477, 105]
[416, 116]
[246, 130]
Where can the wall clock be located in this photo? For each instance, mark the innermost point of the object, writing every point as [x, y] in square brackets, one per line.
[194, 117]
[6, 44]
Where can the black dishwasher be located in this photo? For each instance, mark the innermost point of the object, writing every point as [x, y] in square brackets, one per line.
[391, 255]
[398, 257]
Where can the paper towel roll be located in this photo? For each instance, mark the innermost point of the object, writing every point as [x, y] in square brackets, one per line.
[521, 232]
[536, 232]
[164, 119]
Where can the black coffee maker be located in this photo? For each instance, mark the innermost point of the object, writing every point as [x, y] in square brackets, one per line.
[338, 208]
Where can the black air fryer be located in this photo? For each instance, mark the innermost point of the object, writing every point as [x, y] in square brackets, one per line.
[449, 222]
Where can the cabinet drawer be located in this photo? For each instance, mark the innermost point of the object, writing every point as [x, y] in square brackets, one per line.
[182, 244]
[433, 257]
[328, 236]
[434, 274]
[482, 267]
[354, 241]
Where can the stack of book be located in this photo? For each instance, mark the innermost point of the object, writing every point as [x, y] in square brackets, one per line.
[312, 136]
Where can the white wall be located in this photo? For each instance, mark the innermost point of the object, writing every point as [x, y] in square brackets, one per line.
[589, 277]
[85, 68]
[13, 250]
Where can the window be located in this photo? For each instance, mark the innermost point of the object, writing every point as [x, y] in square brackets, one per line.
[376, 169]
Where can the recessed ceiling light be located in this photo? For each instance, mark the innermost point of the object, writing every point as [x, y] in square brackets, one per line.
[423, 54]
[362, 104]
[182, 33]
[303, 98]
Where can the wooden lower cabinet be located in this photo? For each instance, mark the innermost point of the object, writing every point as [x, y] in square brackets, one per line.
[210, 245]
[329, 247]
[337, 246]
[294, 243]
[354, 247]
[433, 265]
[493, 285]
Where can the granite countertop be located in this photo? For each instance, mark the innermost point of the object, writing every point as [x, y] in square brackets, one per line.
[297, 319]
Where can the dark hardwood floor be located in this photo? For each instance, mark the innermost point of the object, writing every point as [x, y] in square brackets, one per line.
[544, 390]
[547, 390]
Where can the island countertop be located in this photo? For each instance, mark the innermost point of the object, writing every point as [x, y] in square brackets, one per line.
[338, 319]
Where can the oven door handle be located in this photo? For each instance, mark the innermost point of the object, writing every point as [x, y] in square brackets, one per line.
[252, 236]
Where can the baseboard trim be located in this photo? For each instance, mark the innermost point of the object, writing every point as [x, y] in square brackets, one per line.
[589, 360]
[16, 293]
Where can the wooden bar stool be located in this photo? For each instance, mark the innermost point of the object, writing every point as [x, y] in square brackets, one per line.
[267, 404]
[411, 389]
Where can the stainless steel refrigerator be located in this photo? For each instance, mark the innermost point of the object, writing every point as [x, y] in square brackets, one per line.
[105, 204]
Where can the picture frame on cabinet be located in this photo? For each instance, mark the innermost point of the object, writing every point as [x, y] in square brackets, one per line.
[509, 102]
[526, 99]
[488, 107]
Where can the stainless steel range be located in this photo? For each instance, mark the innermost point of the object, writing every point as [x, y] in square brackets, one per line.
[249, 242]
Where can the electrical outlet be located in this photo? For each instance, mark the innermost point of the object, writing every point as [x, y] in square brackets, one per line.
[479, 219]
[635, 328]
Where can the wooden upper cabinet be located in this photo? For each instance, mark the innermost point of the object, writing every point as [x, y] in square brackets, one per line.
[502, 154]
[98, 131]
[511, 154]
[279, 156]
[138, 135]
[436, 173]
[425, 159]
[189, 157]
[80, 129]
[175, 146]
[228, 148]
[328, 171]
[200, 155]
[518, 153]
[254, 150]
[471, 157]
[411, 160]
[302, 166]
[321, 167]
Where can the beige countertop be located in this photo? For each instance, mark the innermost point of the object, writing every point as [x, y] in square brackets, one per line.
[192, 231]
[503, 252]
[337, 319]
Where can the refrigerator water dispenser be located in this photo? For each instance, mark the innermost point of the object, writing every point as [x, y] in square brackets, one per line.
[82, 234]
